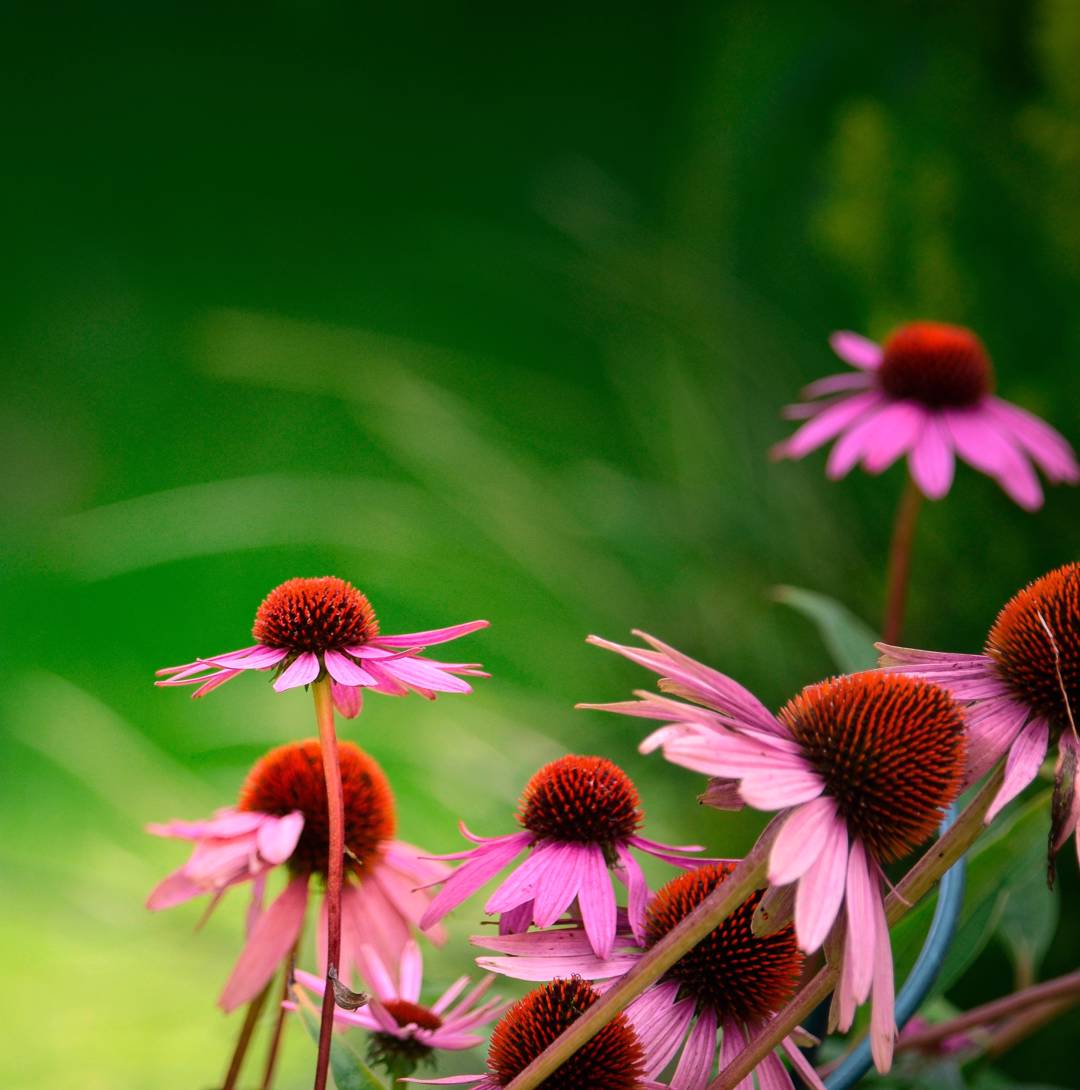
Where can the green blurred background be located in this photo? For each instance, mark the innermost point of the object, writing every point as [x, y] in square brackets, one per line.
[491, 311]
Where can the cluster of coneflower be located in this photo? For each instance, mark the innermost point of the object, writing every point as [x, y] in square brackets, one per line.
[703, 982]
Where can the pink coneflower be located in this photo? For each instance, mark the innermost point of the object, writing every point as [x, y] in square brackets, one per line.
[310, 628]
[612, 1060]
[1023, 694]
[404, 1033]
[281, 820]
[730, 984]
[864, 767]
[580, 817]
[927, 393]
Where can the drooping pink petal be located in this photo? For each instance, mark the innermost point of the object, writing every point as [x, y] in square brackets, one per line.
[596, 899]
[722, 794]
[376, 976]
[348, 699]
[801, 839]
[821, 888]
[772, 1074]
[423, 673]
[731, 1044]
[485, 862]
[637, 889]
[853, 444]
[982, 443]
[515, 920]
[827, 424]
[302, 671]
[882, 1017]
[1022, 765]
[258, 657]
[661, 1021]
[898, 429]
[856, 349]
[277, 837]
[802, 1065]
[931, 460]
[216, 681]
[523, 883]
[1048, 447]
[696, 1062]
[374, 919]
[863, 893]
[172, 890]
[268, 945]
[992, 728]
[429, 637]
[559, 880]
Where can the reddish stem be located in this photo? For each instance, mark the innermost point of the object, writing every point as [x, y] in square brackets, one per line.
[324, 715]
[246, 1030]
[903, 538]
[995, 1011]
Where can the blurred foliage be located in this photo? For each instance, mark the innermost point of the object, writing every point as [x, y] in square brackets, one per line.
[491, 311]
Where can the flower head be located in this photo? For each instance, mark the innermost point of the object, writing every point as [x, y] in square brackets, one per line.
[863, 768]
[404, 1032]
[1022, 694]
[612, 1060]
[281, 822]
[579, 819]
[731, 983]
[927, 393]
[310, 628]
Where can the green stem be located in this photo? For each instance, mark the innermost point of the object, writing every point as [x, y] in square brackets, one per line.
[747, 877]
[251, 1018]
[912, 888]
[335, 870]
[903, 540]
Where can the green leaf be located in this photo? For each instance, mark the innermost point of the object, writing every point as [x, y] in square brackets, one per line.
[350, 1071]
[848, 640]
[1030, 916]
[999, 870]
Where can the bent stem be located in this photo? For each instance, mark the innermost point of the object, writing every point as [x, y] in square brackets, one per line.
[1039, 995]
[324, 715]
[244, 1040]
[903, 539]
[918, 881]
[743, 881]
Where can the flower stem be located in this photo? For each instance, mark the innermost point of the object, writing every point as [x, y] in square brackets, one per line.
[279, 1023]
[997, 1009]
[918, 881]
[903, 538]
[246, 1030]
[1022, 1026]
[747, 877]
[324, 715]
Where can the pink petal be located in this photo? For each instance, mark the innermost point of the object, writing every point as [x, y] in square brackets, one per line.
[344, 671]
[637, 889]
[696, 1063]
[853, 445]
[778, 790]
[596, 899]
[374, 919]
[173, 890]
[980, 441]
[470, 876]
[661, 1024]
[258, 657]
[882, 1017]
[800, 841]
[836, 384]
[302, 671]
[772, 1074]
[821, 889]
[348, 699]
[897, 431]
[800, 1063]
[1050, 449]
[931, 461]
[523, 882]
[431, 636]
[375, 974]
[277, 837]
[560, 880]
[1022, 765]
[992, 728]
[857, 350]
[422, 673]
[863, 893]
[411, 972]
[827, 424]
[268, 945]
[731, 1044]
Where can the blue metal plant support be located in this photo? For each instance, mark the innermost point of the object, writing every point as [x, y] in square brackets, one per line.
[924, 972]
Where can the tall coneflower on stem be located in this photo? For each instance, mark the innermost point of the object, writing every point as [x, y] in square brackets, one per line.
[324, 715]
